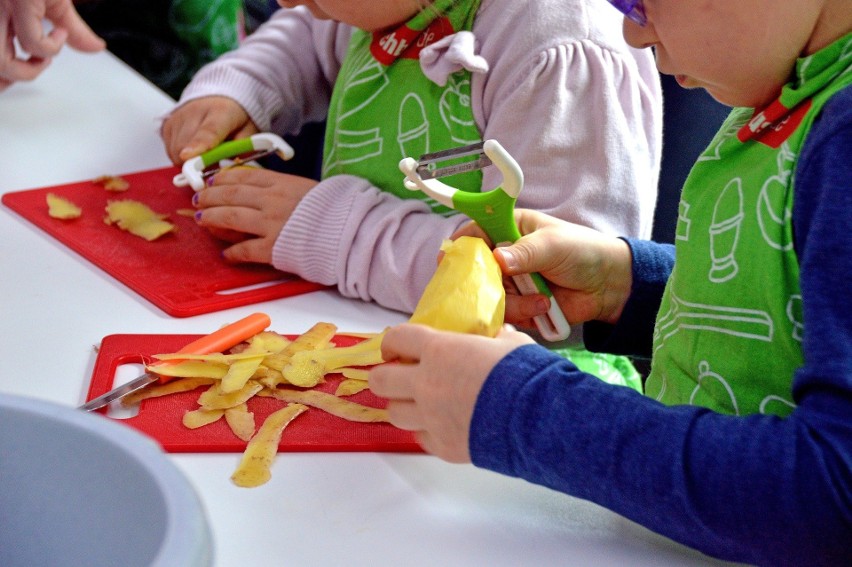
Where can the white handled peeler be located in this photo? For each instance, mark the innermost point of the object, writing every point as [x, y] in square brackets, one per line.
[492, 210]
[196, 170]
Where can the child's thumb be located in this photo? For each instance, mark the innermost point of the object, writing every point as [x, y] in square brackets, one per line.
[517, 258]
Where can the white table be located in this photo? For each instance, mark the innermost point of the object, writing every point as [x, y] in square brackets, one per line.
[90, 114]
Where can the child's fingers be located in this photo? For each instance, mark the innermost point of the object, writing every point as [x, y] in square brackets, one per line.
[392, 381]
[231, 195]
[470, 229]
[209, 121]
[249, 129]
[520, 309]
[231, 236]
[254, 250]
[207, 137]
[516, 259]
[404, 342]
[405, 415]
[238, 218]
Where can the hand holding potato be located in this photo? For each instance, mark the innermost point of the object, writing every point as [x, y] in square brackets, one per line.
[590, 272]
[434, 380]
[202, 124]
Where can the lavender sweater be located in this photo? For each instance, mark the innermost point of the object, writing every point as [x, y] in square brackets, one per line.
[577, 108]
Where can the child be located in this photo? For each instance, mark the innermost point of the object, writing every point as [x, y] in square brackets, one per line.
[544, 78]
[750, 458]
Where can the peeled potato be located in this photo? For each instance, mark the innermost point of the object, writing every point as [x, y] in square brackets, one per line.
[466, 293]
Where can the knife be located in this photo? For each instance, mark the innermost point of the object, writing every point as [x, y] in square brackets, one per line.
[218, 341]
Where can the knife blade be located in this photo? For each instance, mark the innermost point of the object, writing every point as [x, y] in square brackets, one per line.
[217, 341]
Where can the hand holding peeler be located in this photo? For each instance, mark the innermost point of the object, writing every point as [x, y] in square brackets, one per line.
[218, 341]
[196, 170]
[492, 210]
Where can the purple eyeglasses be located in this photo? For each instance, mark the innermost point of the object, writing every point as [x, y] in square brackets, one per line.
[633, 9]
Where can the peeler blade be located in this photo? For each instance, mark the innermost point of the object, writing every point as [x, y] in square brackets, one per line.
[427, 165]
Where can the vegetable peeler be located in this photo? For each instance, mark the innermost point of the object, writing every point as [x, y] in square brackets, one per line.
[492, 210]
[218, 341]
[196, 170]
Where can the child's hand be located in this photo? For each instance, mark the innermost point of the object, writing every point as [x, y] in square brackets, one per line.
[249, 206]
[203, 124]
[433, 380]
[589, 272]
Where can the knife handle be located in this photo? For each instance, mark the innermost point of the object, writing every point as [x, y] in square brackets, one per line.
[223, 339]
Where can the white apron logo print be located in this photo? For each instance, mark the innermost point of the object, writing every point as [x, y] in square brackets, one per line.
[708, 382]
[451, 121]
[794, 314]
[358, 145]
[771, 220]
[413, 126]
[740, 322]
[725, 232]
[714, 151]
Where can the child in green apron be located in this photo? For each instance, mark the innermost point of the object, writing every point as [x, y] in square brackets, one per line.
[399, 79]
[742, 444]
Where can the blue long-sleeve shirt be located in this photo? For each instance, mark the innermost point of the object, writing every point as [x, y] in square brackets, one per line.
[759, 488]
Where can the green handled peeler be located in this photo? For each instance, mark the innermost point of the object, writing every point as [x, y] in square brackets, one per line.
[492, 210]
[196, 170]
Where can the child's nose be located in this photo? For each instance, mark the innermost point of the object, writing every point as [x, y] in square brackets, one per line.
[638, 36]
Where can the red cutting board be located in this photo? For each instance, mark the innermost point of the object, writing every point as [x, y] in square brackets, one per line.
[314, 430]
[183, 273]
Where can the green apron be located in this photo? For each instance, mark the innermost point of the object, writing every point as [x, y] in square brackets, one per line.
[728, 334]
[383, 108]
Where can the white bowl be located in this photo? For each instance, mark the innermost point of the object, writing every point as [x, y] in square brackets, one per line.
[79, 489]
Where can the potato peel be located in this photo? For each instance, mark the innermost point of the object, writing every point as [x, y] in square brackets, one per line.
[190, 369]
[239, 373]
[245, 371]
[62, 208]
[318, 336]
[112, 183]
[137, 219]
[350, 387]
[215, 398]
[241, 421]
[201, 417]
[329, 403]
[157, 390]
[256, 462]
[307, 368]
